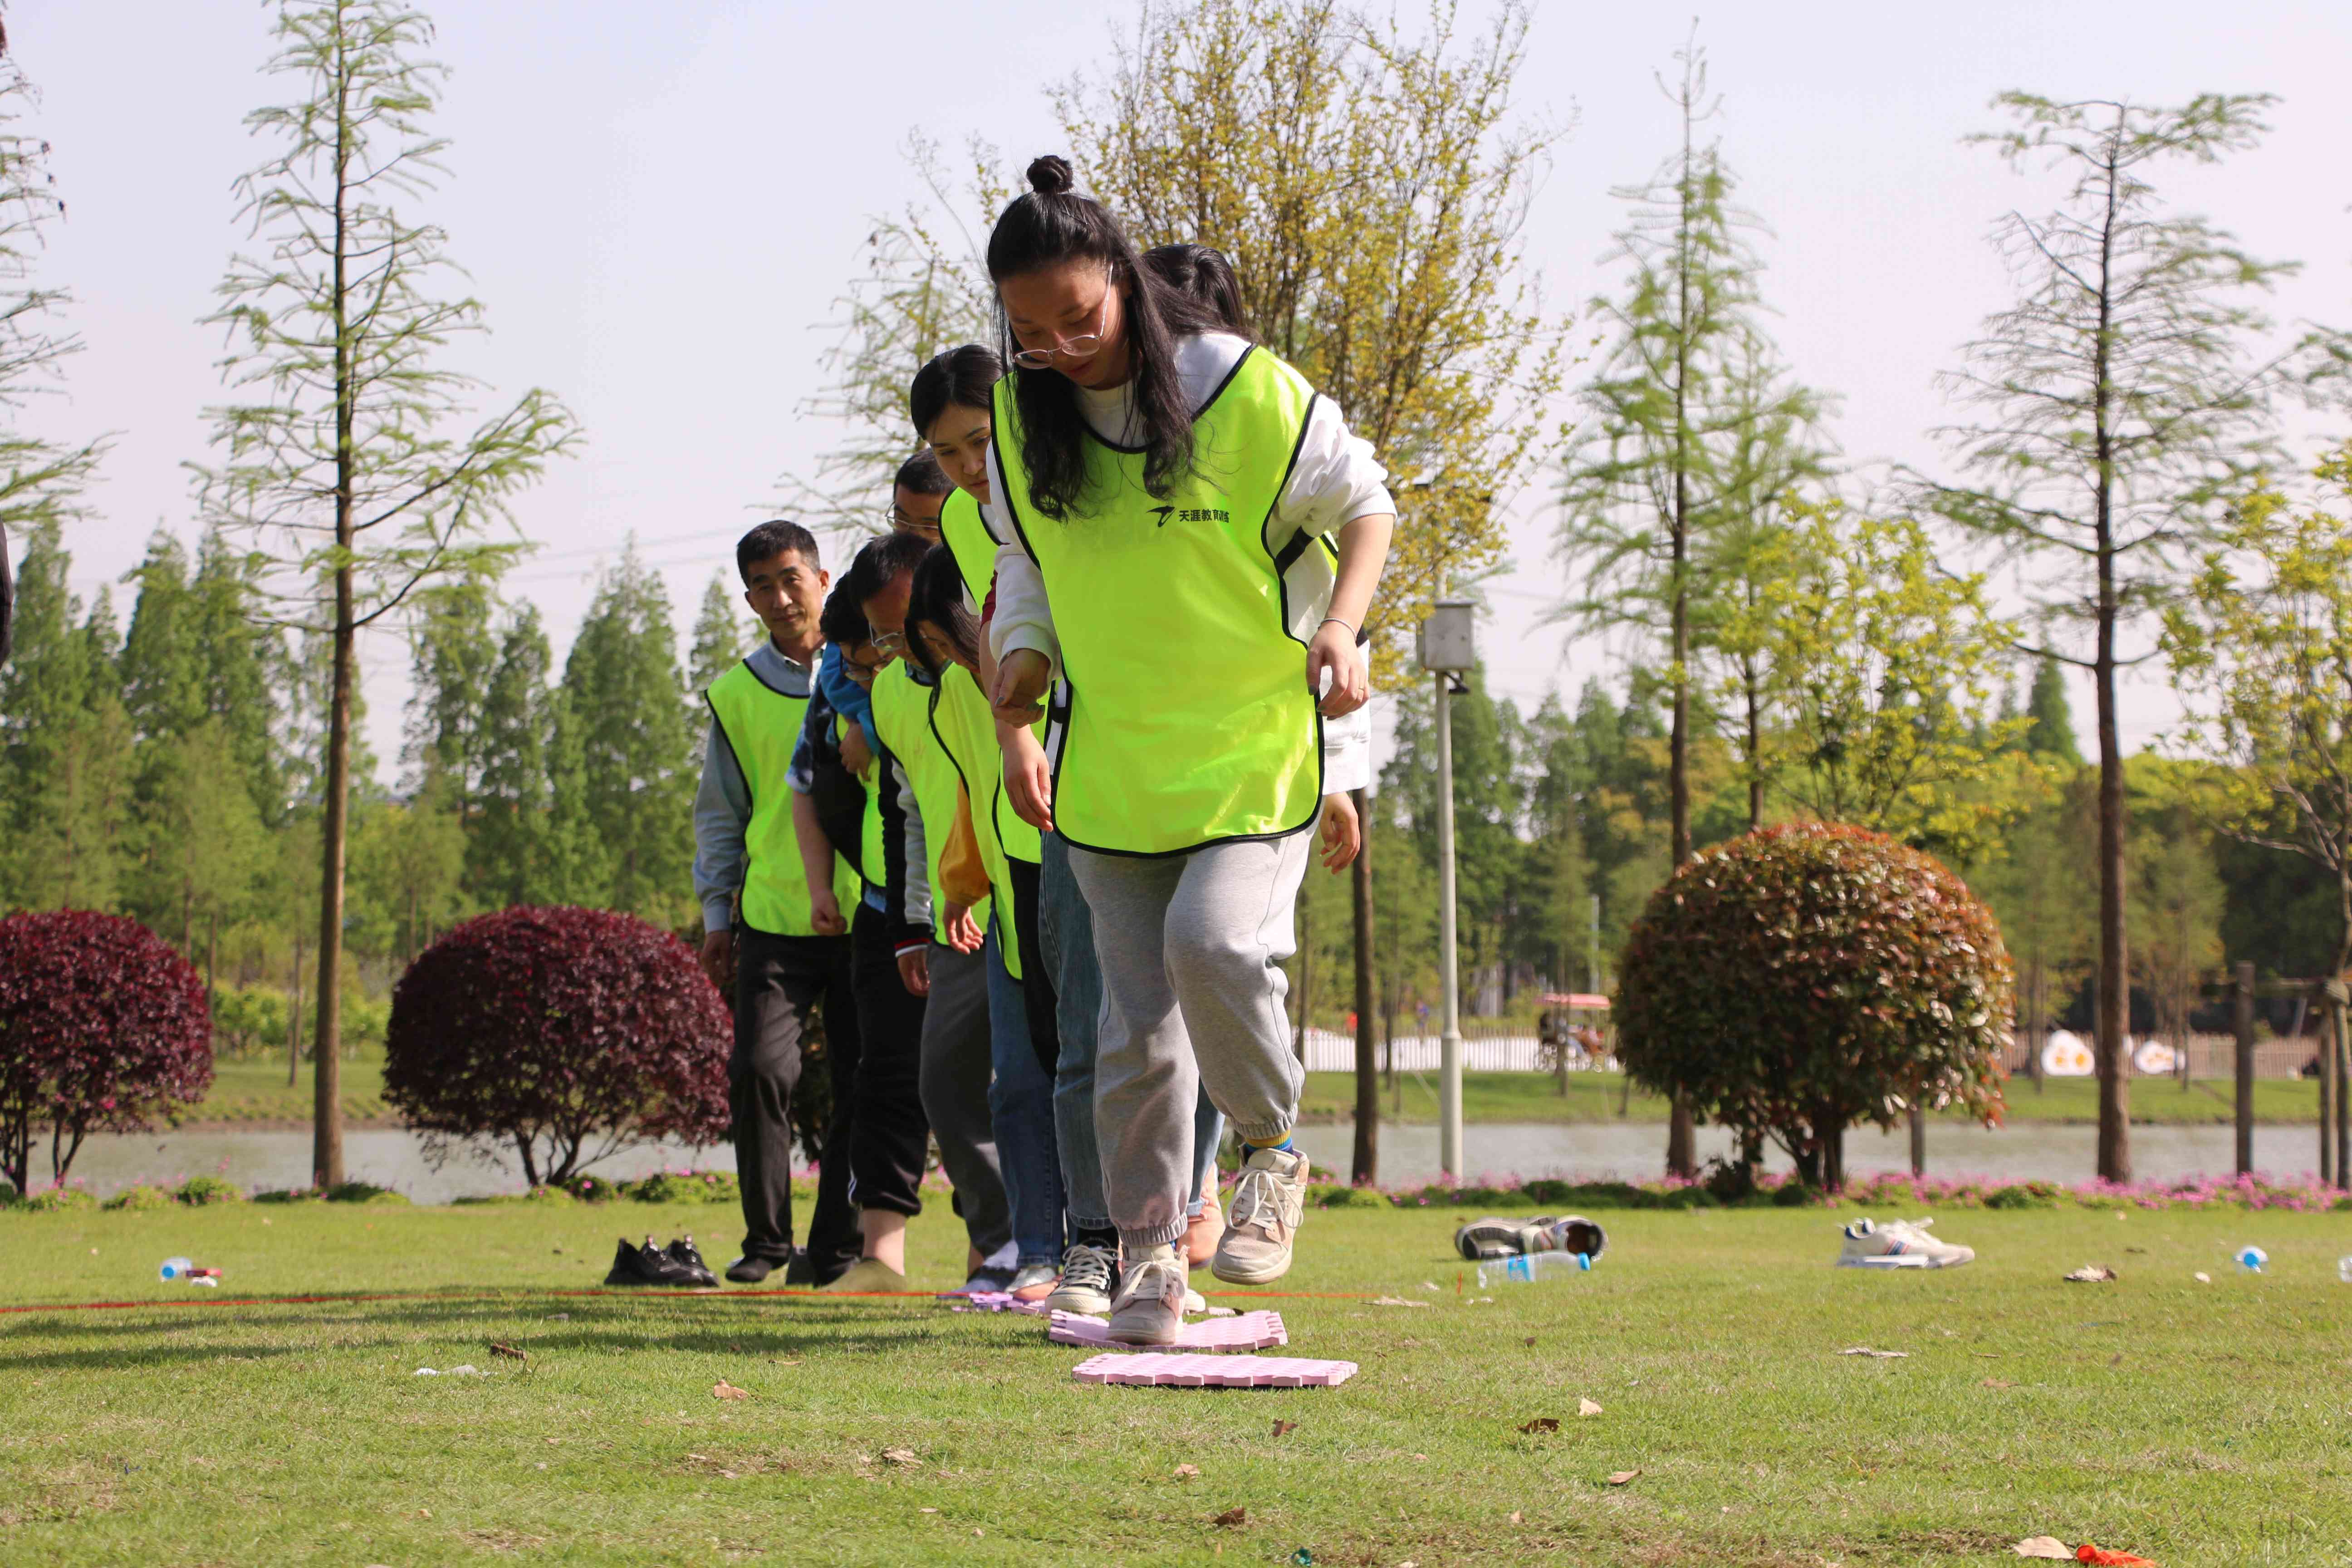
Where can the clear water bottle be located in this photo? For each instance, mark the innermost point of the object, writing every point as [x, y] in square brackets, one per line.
[1528, 1267]
[175, 1268]
[2344, 1269]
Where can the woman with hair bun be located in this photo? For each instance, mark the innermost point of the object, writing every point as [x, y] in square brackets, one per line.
[1160, 474]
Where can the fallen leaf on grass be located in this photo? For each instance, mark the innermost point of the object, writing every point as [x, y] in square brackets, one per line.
[1999, 1383]
[1875, 1355]
[723, 1389]
[1396, 1301]
[1619, 1477]
[1531, 1339]
[1187, 1472]
[2116, 1358]
[2202, 1278]
[2042, 1546]
[2091, 1274]
[1587, 1407]
[930, 1511]
[1233, 1517]
[899, 1456]
[1285, 1428]
[1518, 1518]
[1429, 1284]
[509, 1352]
[1542, 1424]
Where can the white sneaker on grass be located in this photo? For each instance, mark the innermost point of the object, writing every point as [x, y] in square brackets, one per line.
[1899, 1244]
[1263, 1219]
[1090, 1275]
[1151, 1306]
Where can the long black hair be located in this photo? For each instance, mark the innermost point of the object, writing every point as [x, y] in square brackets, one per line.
[1053, 224]
[960, 378]
[937, 602]
[1206, 274]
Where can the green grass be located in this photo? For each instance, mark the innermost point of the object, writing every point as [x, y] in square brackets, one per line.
[255, 1089]
[1518, 1097]
[2194, 1422]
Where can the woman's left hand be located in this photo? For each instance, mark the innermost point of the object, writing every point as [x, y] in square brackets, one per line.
[1333, 648]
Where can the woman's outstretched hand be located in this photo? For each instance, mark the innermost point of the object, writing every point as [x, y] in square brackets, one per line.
[1333, 649]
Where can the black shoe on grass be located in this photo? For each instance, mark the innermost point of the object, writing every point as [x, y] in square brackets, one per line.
[749, 1270]
[627, 1267]
[684, 1253]
[646, 1265]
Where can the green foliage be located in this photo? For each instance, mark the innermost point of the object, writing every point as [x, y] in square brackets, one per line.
[1803, 978]
[203, 1192]
[685, 1187]
[139, 1197]
[59, 1199]
[2049, 720]
[507, 853]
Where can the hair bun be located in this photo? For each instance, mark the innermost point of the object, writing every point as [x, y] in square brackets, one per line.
[1050, 176]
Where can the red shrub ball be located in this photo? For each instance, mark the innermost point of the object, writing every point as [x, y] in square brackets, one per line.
[102, 1028]
[1800, 979]
[564, 1034]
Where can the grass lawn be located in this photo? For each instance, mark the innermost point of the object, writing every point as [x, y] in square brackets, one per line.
[1520, 1097]
[255, 1089]
[2193, 1423]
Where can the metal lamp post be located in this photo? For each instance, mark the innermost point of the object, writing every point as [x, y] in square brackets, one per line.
[1448, 650]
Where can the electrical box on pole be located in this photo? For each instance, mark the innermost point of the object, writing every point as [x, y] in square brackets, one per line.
[1449, 648]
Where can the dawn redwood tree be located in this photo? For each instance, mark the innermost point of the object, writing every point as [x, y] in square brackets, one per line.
[102, 1028]
[2122, 406]
[565, 1035]
[349, 471]
[1795, 980]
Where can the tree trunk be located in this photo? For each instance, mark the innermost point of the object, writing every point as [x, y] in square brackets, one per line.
[326, 1047]
[1755, 751]
[2242, 1016]
[2037, 1029]
[2114, 1020]
[1366, 1170]
[2328, 1175]
[1918, 1142]
[294, 1020]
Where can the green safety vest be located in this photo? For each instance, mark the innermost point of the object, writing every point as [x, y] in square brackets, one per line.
[902, 712]
[1188, 717]
[762, 725]
[872, 864]
[966, 729]
[969, 540]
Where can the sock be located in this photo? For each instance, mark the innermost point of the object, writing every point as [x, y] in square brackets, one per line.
[1105, 1237]
[1283, 1147]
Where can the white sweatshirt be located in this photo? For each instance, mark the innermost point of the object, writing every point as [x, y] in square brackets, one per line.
[1335, 480]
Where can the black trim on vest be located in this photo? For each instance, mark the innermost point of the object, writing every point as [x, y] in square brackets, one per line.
[735, 752]
[772, 686]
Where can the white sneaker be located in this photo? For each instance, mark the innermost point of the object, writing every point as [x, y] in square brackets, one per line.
[1089, 1274]
[1151, 1306]
[1264, 1221]
[1899, 1244]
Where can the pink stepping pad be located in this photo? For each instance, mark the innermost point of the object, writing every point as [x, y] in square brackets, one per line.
[996, 1301]
[1248, 1332]
[1215, 1371]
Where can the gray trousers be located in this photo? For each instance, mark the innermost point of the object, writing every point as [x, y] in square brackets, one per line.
[1190, 948]
[955, 1071]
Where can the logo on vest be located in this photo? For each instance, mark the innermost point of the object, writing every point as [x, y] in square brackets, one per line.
[1190, 514]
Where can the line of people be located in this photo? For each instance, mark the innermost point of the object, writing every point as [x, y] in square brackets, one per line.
[1021, 804]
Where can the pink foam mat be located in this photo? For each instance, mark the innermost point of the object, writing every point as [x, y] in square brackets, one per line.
[1248, 1332]
[995, 1301]
[1215, 1371]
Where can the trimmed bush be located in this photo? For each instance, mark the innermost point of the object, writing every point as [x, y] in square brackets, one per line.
[102, 1028]
[363, 1192]
[1801, 979]
[687, 1187]
[564, 1035]
[53, 1200]
[199, 1192]
[139, 1197]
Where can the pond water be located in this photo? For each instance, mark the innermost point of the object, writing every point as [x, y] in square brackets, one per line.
[391, 1158]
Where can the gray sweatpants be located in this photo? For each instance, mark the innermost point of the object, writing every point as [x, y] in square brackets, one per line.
[1190, 947]
[955, 1071]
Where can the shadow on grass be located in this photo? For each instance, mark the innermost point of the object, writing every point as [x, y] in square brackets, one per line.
[180, 1336]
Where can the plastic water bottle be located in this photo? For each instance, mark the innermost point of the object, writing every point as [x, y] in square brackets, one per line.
[2252, 1259]
[1528, 1267]
[175, 1268]
[2344, 1269]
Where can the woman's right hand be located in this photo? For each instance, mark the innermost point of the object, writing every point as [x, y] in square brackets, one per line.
[1028, 777]
[1020, 678]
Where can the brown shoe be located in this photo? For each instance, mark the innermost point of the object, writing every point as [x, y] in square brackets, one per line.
[1267, 1203]
[1201, 1236]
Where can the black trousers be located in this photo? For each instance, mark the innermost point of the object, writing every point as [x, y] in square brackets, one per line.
[888, 1145]
[1037, 979]
[779, 981]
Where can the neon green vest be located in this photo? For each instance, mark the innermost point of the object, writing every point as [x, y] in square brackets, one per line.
[872, 864]
[1188, 719]
[966, 728]
[761, 724]
[902, 713]
[969, 540]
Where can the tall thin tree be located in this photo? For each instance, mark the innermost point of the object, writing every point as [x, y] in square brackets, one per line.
[348, 466]
[2123, 401]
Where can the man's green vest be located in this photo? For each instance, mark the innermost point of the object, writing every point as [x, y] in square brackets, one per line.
[1189, 721]
[761, 724]
[902, 713]
[969, 540]
[872, 863]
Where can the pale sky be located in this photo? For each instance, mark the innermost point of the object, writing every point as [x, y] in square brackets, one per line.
[658, 206]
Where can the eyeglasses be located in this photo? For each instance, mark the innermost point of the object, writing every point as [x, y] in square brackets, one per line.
[1078, 347]
[891, 643]
[901, 521]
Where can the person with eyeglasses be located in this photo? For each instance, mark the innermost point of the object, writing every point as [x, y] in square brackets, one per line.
[1159, 474]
